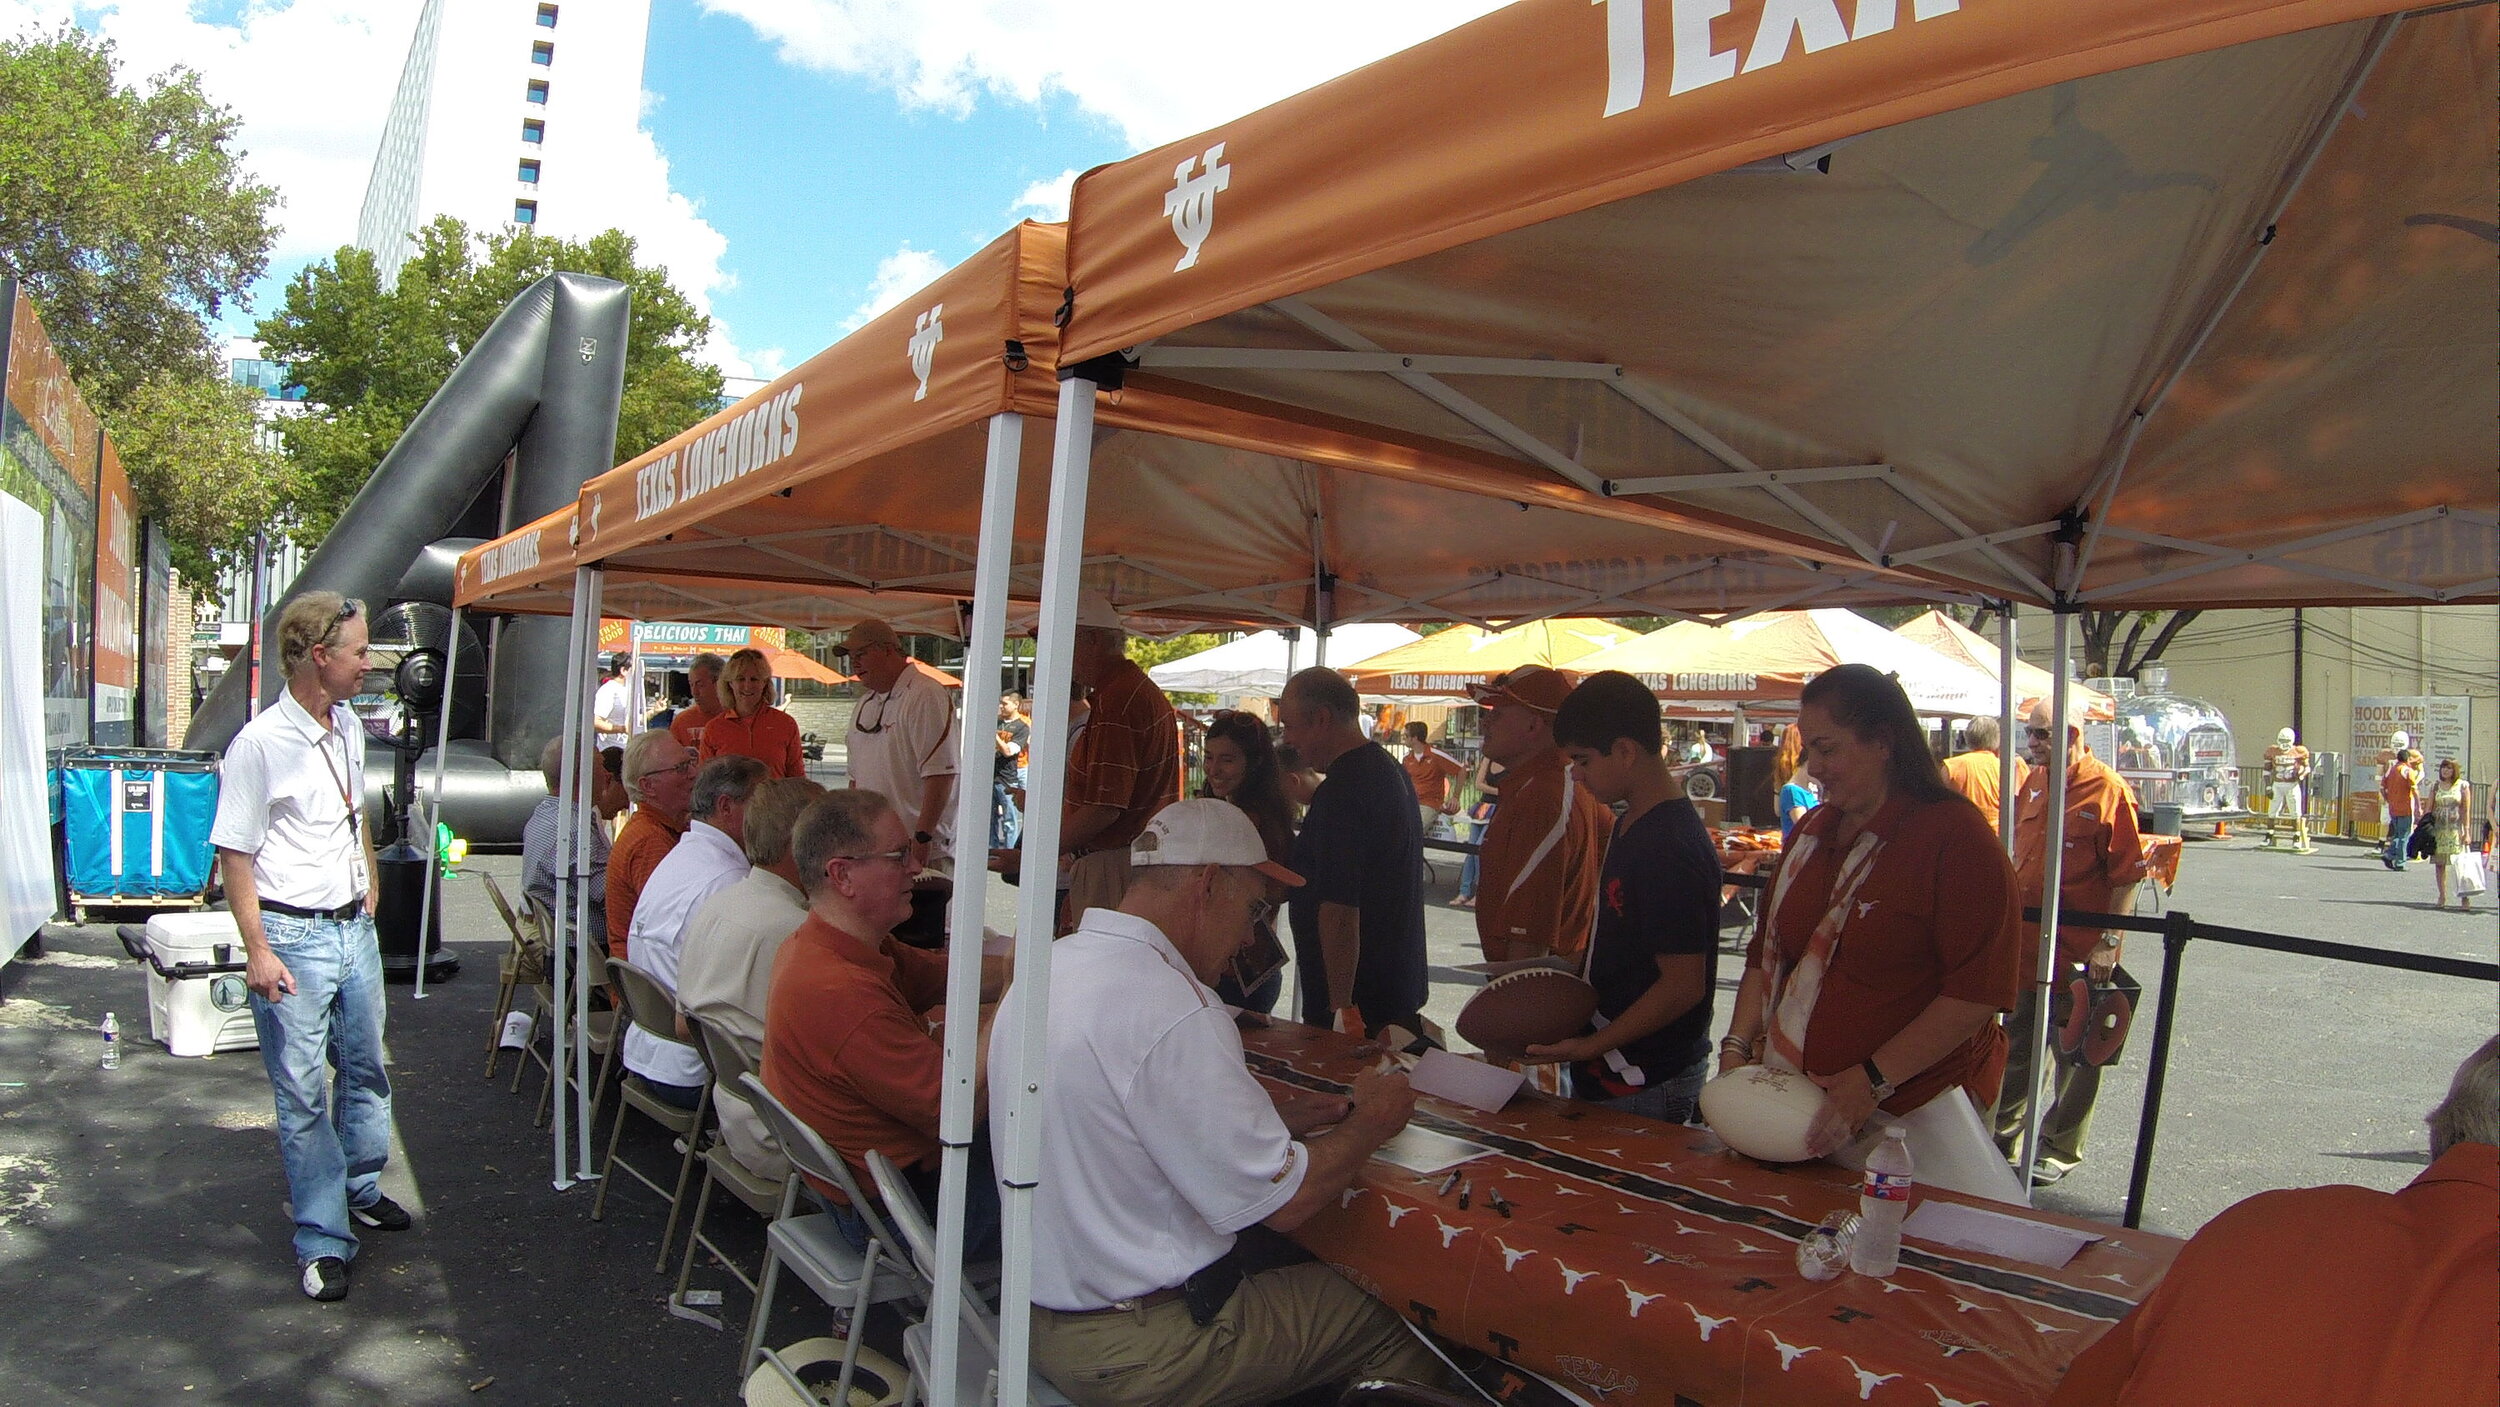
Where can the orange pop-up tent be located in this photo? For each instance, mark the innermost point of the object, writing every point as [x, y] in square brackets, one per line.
[1956, 641]
[1446, 662]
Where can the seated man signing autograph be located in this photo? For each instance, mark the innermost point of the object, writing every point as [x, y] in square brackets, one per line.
[1158, 1146]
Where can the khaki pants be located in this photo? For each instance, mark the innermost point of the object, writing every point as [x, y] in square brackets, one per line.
[1097, 881]
[1285, 1330]
[2071, 1087]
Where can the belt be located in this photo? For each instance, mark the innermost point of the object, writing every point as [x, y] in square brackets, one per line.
[342, 913]
[1152, 1299]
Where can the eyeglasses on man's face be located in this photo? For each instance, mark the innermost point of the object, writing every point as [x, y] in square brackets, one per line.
[898, 856]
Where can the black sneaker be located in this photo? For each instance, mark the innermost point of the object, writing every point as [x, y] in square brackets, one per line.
[382, 1214]
[325, 1279]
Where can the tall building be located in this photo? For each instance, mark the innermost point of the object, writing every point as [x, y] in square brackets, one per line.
[501, 110]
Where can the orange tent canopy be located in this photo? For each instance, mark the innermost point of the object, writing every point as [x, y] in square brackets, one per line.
[1956, 641]
[2116, 303]
[858, 471]
[790, 664]
[1447, 661]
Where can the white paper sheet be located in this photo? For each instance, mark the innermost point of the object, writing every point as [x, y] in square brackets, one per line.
[1420, 1150]
[1996, 1234]
[1470, 1082]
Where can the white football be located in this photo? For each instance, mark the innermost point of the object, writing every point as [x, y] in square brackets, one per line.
[1762, 1112]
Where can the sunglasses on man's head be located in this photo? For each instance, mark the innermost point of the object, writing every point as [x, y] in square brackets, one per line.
[347, 612]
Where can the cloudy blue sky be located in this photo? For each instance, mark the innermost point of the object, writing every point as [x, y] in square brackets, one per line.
[810, 161]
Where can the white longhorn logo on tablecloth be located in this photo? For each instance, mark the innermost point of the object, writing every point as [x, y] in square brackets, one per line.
[927, 331]
[1191, 201]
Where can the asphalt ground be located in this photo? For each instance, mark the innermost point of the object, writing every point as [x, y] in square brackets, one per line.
[144, 1247]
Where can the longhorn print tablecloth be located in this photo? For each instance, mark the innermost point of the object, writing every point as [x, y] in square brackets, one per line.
[1643, 1263]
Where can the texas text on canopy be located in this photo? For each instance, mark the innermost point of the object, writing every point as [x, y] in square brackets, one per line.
[862, 468]
[2201, 286]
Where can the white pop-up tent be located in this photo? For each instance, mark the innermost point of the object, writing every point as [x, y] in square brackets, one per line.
[1258, 664]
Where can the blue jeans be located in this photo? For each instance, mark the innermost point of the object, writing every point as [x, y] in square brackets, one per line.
[1671, 1100]
[1005, 824]
[2399, 835]
[334, 1138]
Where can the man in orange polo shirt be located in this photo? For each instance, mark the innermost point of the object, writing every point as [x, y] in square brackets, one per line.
[1979, 773]
[851, 1027]
[2330, 1296]
[659, 775]
[1434, 773]
[2104, 862]
[1125, 766]
[703, 681]
[1536, 887]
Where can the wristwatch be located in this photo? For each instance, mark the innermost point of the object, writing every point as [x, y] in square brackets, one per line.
[1875, 1077]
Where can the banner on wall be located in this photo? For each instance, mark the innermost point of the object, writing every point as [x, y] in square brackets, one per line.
[49, 443]
[116, 604]
[658, 637]
[2440, 725]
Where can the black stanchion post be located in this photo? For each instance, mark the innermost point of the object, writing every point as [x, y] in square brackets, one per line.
[2177, 929]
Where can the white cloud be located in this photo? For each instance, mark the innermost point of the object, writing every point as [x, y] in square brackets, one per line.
[312, 80]
[1155, 71]
[1045, 200]
[899, 275]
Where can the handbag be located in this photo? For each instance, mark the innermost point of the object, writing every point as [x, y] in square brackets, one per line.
[2423, 845]
[2471, 876]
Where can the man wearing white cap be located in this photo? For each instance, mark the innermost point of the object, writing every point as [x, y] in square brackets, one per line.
[1124, 767]
[1159, 1150]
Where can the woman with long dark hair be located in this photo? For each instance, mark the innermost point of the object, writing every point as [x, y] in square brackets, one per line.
[1891, 938]
[1241, 768]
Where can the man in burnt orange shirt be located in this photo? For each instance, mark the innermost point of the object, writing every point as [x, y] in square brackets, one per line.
[2330, 1296]
[1980, 773]
[703, 682]
[852, 1022]
[1536, 891]
[2103, 864]
[1433, 772]
[1125, 766]
[659, 775]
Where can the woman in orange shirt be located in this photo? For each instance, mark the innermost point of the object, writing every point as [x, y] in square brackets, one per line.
[1890, 941]
[749, 727]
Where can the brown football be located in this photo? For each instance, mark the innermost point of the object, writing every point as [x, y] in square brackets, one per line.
[1533, 1006]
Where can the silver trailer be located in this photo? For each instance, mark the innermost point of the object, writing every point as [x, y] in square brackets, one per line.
[2177, 750]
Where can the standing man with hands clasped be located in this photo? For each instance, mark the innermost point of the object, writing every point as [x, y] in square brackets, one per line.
[1358, 922]
[298, 866]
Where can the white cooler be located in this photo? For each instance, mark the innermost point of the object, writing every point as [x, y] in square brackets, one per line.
[196, 1013]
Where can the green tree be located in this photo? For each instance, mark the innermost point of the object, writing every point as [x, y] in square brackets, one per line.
[369, 358]
[197, 459]
[129, 220]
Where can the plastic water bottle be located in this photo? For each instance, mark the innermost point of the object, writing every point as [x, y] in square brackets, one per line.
[112, 1042]
[1883, 1201]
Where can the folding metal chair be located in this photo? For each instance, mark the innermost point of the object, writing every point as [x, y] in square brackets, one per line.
[649, 1006]
[519, 961]
[814, 1247]
[766, 1197]
[601, 1038]
[976, 1360]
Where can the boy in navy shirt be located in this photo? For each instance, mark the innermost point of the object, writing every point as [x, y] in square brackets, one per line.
[1654, 955]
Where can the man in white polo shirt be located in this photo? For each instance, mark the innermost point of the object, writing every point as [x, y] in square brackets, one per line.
[902, 739]
[298, 867]
[709, 858]
[1158, 1148]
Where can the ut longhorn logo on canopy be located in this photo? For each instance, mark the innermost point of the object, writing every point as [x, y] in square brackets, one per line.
[1190, 203]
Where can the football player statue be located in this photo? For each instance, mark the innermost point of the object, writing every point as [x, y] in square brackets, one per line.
[2287, 767]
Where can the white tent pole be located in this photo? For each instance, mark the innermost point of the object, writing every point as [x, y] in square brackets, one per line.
[1046, 787]
[984, 643]
[434, 816]
[568, 855]
[2052, 871]
[2008, 803]
[588, 582]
